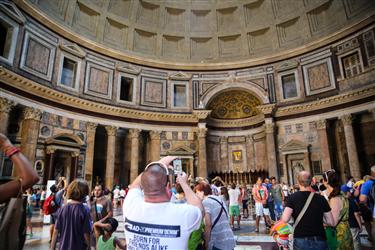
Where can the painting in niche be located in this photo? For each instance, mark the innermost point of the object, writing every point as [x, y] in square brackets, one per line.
[237, 155]
[319, 77]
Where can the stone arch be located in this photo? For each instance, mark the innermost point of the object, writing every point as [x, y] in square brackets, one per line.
[252, 89]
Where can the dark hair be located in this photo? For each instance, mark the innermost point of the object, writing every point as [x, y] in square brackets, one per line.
[179, 188]
[224, 191]
[333, 179]
[206, 188]
[53, 188]
[233, 185]
[273, 178]
[113, 222]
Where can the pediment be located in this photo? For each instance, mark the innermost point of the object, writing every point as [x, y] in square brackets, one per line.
[294, 145]
[180, 76]
[130, 69]
[73, 49]
[181, 150]
[291, 64]
[11, 10]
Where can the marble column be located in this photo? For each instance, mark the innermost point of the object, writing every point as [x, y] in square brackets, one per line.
[271, 150]
[224, 165]
[90, 146]
[5, 107]
[202, 160]
[134, 155]
[74, 166]
[30, 132]
[111, 154]
[48, 167]
[154, 145]
[321, 127]
[250, 153]
[351, 146]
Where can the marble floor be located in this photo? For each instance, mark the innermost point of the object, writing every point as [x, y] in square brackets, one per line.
[246, 237]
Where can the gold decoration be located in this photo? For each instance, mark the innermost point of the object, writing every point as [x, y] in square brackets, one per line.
[234, 104]
[237, 155]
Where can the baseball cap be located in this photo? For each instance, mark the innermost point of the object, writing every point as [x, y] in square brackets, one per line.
[345, 188]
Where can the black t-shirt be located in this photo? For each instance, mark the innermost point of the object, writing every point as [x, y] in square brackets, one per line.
[311, 223]
[353, 208]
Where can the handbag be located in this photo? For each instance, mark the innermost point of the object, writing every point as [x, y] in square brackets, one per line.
[331, 235]
[13, 222]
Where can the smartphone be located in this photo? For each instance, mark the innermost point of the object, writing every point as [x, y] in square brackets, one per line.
[177, 166]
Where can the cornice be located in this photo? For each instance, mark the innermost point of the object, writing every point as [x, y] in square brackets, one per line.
[327, 102]
[236, 123]
[10, 78]
[160, 63]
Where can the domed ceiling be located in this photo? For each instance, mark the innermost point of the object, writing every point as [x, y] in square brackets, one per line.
[234, 104]
[192, 32]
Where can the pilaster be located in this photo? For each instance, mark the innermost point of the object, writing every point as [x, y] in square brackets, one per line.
[154, 145]
[202, 160]
[134, 156]
[110, 161]
[271, 150]
[321, 127]
[90, 146]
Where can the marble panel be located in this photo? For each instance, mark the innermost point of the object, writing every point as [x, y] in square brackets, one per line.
[38, 56]
[318, 76]
[153, 92]
[98, 81]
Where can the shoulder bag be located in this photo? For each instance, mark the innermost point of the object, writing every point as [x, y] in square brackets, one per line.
[221, 211]
[13, 222]
[301, 214]
[331, 235]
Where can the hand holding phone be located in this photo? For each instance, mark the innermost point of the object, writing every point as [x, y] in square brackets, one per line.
[177, 166]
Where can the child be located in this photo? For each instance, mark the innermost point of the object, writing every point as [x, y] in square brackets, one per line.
[107, 241]
[73, 219]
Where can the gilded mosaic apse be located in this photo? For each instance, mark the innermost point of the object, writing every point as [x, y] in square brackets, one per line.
[234, 104]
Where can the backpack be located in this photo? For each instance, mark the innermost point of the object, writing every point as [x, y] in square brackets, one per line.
[49, 205]
[371, 195]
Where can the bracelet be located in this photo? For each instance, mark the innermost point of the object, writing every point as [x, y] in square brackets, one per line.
[12, 151]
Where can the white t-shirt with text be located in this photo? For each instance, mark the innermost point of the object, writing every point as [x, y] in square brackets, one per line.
[158, 225]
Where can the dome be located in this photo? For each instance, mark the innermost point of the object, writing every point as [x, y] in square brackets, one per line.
[201, 34]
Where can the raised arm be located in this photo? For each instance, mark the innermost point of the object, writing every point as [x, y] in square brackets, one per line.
[190, 196]
[25, 171]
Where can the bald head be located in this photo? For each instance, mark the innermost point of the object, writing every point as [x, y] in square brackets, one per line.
[153, 181]
[304, 178]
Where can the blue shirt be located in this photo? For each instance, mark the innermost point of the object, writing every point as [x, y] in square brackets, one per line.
[365, 190]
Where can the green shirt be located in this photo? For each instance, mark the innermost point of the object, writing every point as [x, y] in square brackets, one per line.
[106, 245]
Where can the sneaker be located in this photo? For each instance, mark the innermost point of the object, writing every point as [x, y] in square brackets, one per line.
[257, 230]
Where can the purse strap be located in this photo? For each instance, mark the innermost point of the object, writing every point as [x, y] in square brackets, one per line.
[302, 213]
[221, 211]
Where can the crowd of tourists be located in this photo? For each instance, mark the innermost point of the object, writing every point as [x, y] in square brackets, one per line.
[164, 211]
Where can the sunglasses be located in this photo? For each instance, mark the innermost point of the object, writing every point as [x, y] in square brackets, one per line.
[160, 164]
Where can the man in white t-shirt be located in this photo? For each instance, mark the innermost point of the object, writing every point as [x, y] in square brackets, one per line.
[234, 207]
[151, 220]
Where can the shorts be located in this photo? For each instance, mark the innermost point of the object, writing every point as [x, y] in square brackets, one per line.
[259, 209]
[53, 219]
[29, 212]
[244, 204]
[234, 210]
